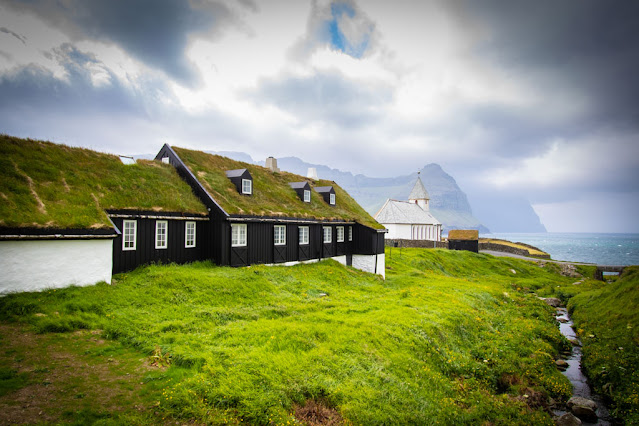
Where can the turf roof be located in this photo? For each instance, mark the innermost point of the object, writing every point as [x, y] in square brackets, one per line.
[272, 195]
[47, 185]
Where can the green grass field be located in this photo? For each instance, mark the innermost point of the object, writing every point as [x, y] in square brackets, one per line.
[448, 338]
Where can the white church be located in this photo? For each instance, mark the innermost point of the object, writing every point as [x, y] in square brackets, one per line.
[410, 220]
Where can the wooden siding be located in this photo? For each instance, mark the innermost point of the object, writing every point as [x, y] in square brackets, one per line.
[366, 240]
[145, 251]
[469, 245]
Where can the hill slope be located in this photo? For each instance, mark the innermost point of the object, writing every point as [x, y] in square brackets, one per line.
[449, 337]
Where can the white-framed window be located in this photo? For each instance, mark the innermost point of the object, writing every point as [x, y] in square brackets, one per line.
[307, 196]
[332, 199]
[328, 234]
[340, 234]
[279, 235]
[350, 233]
[189, 234]
[129, 234]
[303, 232]
[165, 160]
[161, 234]
[238, 234]
[247, 186]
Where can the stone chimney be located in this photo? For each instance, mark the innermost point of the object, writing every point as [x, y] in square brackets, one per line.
[312, 173]
[271, 164]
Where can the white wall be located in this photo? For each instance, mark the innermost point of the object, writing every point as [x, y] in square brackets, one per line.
[366, 263]
[34, 265]
[396, 230]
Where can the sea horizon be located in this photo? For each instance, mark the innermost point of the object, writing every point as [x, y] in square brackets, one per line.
[602, 248]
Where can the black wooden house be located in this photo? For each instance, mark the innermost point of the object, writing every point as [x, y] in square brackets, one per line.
[281, 222]
[188, 206]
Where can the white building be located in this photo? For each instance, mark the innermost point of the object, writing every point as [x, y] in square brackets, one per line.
[410, 220]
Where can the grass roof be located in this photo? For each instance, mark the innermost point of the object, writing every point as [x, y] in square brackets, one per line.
[47, 185]
[463, 234]
[272, 194]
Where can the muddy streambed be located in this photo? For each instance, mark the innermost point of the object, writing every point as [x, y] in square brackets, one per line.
[580, 386]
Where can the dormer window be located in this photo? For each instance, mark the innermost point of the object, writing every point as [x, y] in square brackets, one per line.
[242, 180]
[327, 193]
[303, 190]
[247, 186]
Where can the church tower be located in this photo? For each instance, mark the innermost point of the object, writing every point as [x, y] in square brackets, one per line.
[419, 195]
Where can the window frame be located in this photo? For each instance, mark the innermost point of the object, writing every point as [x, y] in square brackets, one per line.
[250, 186]
[186, 234]
[350, 233]
[134, 235]
[330, 234]
[281, 241]
[303, 241]
[331, 199]
[158, 234]
[236, 228]
[307, 195]
[340, 228]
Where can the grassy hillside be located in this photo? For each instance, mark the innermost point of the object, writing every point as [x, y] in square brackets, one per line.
[449, 337]
[607, 317]
[48, 185]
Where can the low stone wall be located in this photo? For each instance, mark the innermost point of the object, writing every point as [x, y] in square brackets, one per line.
[508, 249]
[398, 242]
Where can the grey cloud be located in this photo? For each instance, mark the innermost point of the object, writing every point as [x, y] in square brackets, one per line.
[155, 32]
[325, 97]
[587, 46]
[14, 34]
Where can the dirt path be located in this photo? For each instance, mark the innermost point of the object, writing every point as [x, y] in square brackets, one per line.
[50, 378]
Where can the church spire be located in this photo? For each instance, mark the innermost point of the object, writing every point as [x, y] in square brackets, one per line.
[419, 195]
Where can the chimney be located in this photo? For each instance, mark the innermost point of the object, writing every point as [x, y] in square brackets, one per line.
[312, 173]
[271, 164]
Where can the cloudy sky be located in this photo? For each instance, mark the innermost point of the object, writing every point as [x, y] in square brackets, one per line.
[534, 98]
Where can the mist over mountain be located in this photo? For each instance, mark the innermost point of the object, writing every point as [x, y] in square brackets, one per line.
[448, 203]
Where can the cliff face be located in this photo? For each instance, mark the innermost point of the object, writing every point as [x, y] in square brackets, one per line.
[448, 203]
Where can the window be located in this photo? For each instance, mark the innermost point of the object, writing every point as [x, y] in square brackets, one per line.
[165, 160]
[332, 198]
[130, 234]
[307, 196]
[161, 233]
[189, 234]
[247, 186]
[328, 234]
[238, 234]
[303, 231]
[279, 235]
[350, 233]
[340, 234]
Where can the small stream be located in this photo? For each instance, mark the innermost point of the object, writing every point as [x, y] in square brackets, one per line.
[579, 382]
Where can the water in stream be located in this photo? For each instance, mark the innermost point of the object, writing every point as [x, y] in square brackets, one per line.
[579, 382]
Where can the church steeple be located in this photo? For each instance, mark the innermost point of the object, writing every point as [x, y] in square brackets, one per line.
[419, 195]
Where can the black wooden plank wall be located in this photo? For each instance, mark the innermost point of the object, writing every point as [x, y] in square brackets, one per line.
[145, 251]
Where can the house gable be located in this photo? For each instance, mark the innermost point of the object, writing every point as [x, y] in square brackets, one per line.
[273, 197]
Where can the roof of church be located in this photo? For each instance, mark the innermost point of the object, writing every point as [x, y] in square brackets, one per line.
[406, 212]
[419, 192]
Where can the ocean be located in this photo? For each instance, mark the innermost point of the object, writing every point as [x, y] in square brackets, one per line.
[602, 249]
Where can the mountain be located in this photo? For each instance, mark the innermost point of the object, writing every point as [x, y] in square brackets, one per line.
[448, 203]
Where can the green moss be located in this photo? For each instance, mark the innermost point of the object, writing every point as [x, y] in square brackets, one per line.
[43, 184]
[272, 195]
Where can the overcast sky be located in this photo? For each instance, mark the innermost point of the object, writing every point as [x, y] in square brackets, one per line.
[535, 98]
